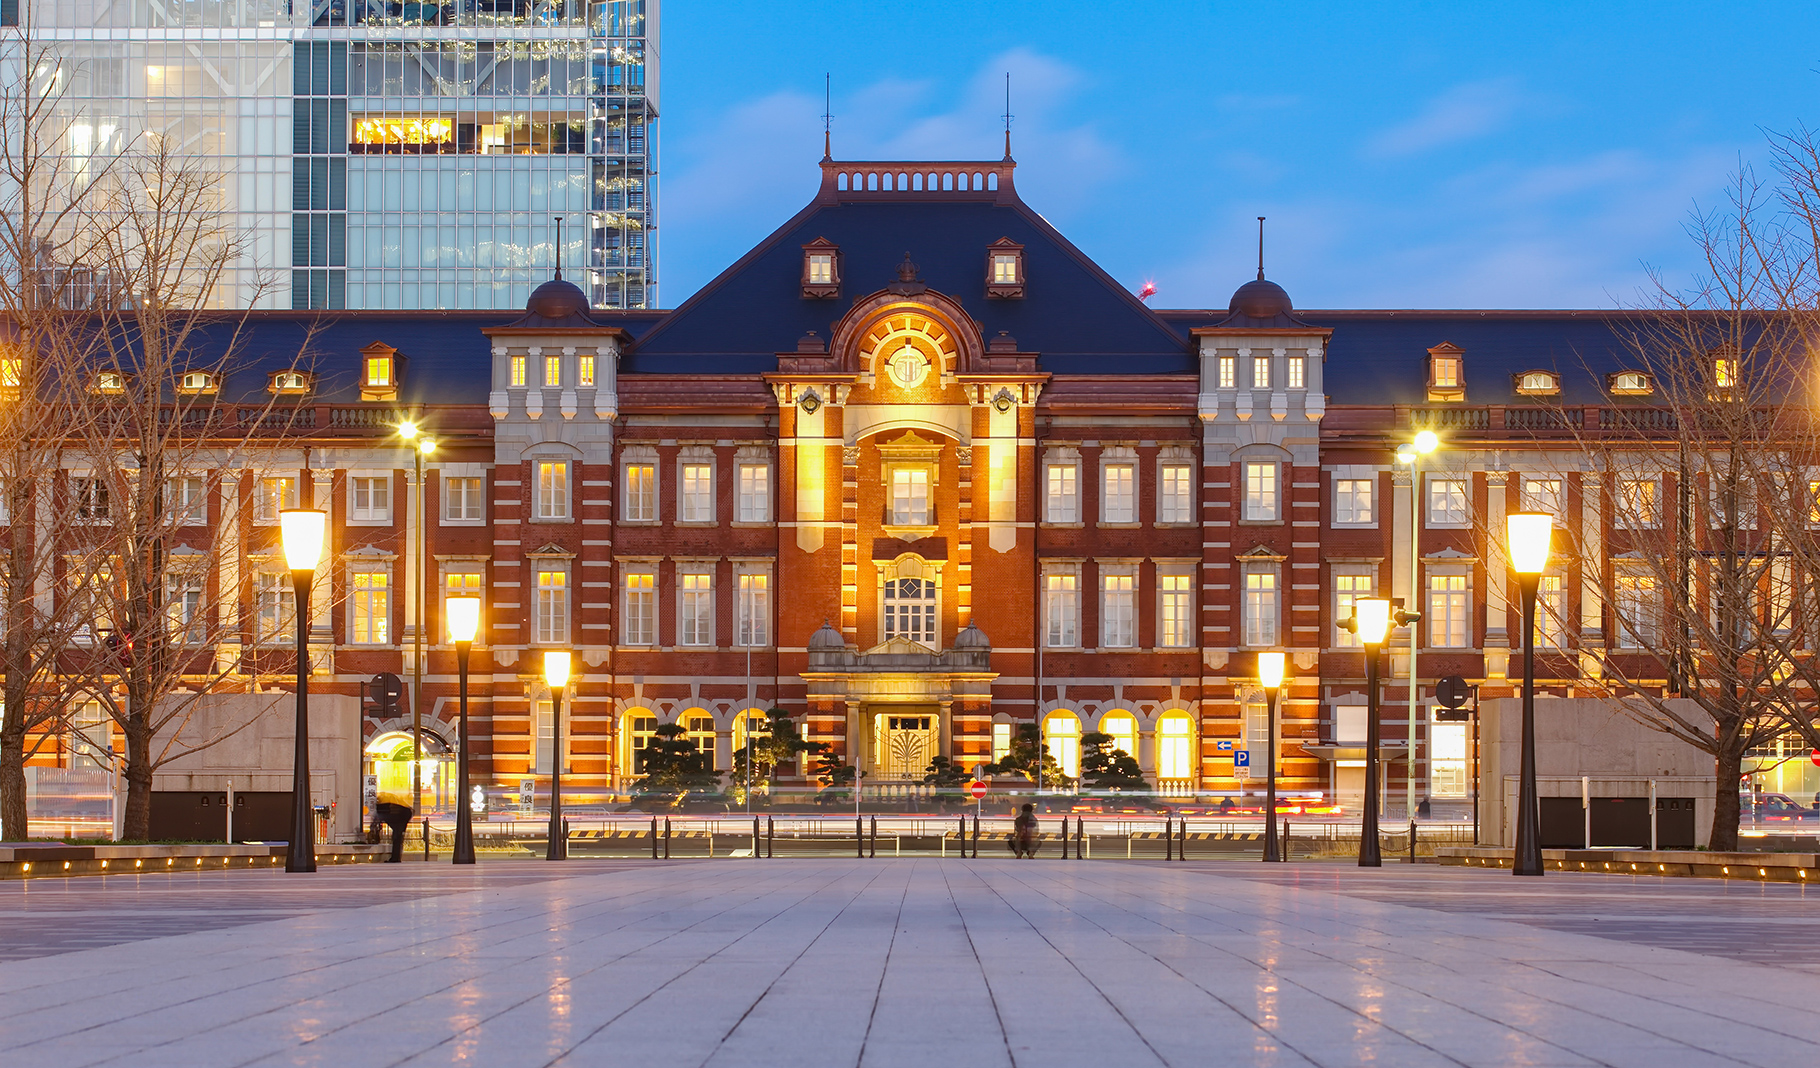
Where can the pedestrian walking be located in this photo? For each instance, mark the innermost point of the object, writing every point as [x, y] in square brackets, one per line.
[1023, 833]
[394, 810]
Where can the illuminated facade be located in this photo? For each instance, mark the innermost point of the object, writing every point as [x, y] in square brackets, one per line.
[387, 155]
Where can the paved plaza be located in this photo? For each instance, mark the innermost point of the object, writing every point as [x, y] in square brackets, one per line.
[922, 962]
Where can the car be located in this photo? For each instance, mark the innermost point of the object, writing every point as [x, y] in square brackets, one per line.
[1774, 808]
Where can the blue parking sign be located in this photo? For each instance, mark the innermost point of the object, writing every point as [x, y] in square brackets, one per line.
[1241, 759]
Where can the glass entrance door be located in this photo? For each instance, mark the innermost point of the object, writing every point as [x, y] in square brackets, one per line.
[903, 746]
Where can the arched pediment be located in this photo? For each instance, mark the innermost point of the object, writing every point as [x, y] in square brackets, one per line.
[931, 323]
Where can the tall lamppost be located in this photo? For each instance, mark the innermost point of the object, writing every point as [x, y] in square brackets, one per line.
[556, 674]
[463, 614]
[419, 449]
[303, 530]
[1529, 536]
[1411, 453]
[1270, 675]
[1371, 622]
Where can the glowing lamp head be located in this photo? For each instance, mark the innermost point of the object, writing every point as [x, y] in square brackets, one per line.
[464, 618]
[426, 446]
[407, 430]
[1426, 442]
[556, 667]
[1406, 453]
[1270, 669]
[1373, 619]
[1530, 534]
[303, 530]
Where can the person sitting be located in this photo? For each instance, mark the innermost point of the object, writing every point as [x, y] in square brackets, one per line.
[1023, 833]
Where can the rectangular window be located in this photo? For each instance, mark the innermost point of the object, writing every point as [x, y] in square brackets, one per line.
[1551, 606]
[1638, 504]
[1446, 372]
[91, 500]
[641, 493]
[1118, 603]
[274, 495]
[1061, 501]
[1118, 494]
[1446, 611]
[369, 608]
[1260, 608]
[1725, 372]
[1174, 747]
[754, 610]
[188, 623]
[552, 371]
[1175, 495]
[640, 625]
[1229, 373]
[275, 600]
[552, 489]
[1175, 611]
[370, 499]
[90, 739]
[519, 376]
[462, 501]
[1352, 501]
[379, 371]
[1348, 587]
[584, 372]
[1004, 269]
[695, 616]
[1542, 495]
[1297, 372]
[545, 756]
[1446, 502]
[551, 609]
[1062, 603]
[187, 500]
[697, 498]
[1261, 492]
[1260, 372]
[460, 584]
[754, 493]
[1447, 760]
[1001, 741]
[908, 603]
[910, 496]
[821, 269]
[1639, 609]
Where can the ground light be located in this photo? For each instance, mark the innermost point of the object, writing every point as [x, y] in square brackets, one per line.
[303, 530]
[1529, 534]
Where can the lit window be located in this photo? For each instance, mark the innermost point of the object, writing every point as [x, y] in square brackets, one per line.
[1550, 609]
[754, 610]
[700, 730]
[640, 731]
[369, 610]
[1122, 728]
[274, 495]
[910, 496]
[1174, 746]
[641, 493]
[1348, 587]
[1118, 495]
[1256, 729]
[289, 382]
[552, 489]
[1062, 737]
[1446, 612]
[1637, 503]
[1538, 383]
[518, 372]
[90, 736]
[1175, 498]
[1260, 372]
[1261, 492]
[1175, 611]
[1447, 760]
[552, 371]
[909, 602]
[12, 374]
[106, 382]
[462, 500]
[1352, 501]
[1062, 500]
[551, 623]
[1639, 609]
[640, 624]
[696, 615]
[1632, 384]
[1229, 373]
[821, 269]
[1001, 741]
[1004, 268]
[754, 493]
[1062, 606]
[379, 371]
[584, 372]
[196, 382]
[1446, 372]
[460, 584]
[697, 503]
[1260, 608]
[188, 623]
[370, 499]
[1446, 502]
[1542, 495]
[1725, 372]
[274, 599]
[1297, 373]
[1118, 599]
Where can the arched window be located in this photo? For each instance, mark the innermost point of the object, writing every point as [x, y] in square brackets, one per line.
[1123, 729]
[909, 601]
[752, 720]
[1062, 735]
[1174, 746]
[1539, 383]
[1631, 384]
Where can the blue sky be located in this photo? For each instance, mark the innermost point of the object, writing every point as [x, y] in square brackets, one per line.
[1407, 155]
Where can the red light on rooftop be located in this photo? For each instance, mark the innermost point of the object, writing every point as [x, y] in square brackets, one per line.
[1148, 291]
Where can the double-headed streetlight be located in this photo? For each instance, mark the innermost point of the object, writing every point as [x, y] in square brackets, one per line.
[1270, 675]
[1411, 453]
[303, 531]
[463, 614]
[1529, 536]
[420, 448]
[556, 675]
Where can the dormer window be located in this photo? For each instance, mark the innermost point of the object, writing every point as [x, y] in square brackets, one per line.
[289, 383]
[1538, 383]
[1725, 372]
[1005, 269]
[821, 269]
[1446, 373]
[381, 369]
[1630, 384]
[197, 382]
[108, 383]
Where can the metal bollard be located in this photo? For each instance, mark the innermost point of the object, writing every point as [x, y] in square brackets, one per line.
[653, 837]
[1064, 838]
[1080, 837]
[1412, 841]
[962, 840]
[426, 838]
[666, 838]
[755, 853]
[976, 837]
[874, 851]
[1181, 848]
[770, 837]
[1283, 843]
[859, 838]
[1168, 837]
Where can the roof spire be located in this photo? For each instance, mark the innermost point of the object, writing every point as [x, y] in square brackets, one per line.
[558, 219]
[1260, 248]
[827, 115]
[1007, 116]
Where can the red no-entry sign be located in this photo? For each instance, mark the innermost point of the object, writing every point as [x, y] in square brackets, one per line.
[978, 789]
[1815, 757]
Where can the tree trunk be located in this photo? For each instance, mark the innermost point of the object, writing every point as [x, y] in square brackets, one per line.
[13, 824]
[1728, 768]
[137, 826]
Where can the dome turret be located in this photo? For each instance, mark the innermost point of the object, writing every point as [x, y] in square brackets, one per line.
[826, 639]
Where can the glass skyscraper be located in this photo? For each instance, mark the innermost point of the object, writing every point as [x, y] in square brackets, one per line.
[389, 154]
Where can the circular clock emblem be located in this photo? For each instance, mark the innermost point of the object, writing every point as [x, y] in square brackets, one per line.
[908, 366]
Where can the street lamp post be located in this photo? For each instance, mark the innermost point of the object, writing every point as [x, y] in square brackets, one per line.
[1371, 622]
[303, 530]
[464, 620]
[1411, 453]
[556, 674]
[419, 449]
[1270, 674]
[1529, 535]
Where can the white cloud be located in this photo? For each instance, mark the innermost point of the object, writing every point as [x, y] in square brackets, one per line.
[1462, 113]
